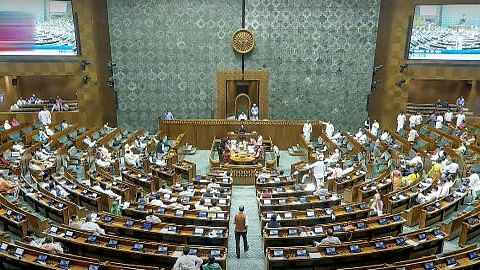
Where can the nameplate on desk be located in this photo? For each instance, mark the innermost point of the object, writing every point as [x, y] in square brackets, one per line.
[215, 253]
[318, 230]
[273, 232]
[288, 215]
[278, 253]
[3, 247]
[137, 247]
[292, 232]
[129, 223]
[282, 202]
[69, 234]
[267, 202]
[162, 250]
[207, 200]
[53, 230]
[179, 213]
[198, 231]
[222, 202]
[172, 229]
[310, 214]
[276, 179]
[314, 255]
[221, 215]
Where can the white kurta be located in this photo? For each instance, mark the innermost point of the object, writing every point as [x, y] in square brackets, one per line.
[307, 131]
[439, 122]
[460, 119]
[448, 117]
[418, 119]
[413, 120]
[45, 117]
[375, 127]
[329, 130]
[401, 118]
[254, 112]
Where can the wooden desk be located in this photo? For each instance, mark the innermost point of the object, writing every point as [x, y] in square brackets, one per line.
[78, 244]
[188, 217]
[29, 260]
[453, 226]
[140, 179]
[127, 190]
[400, 200]
[470, 231]
[437, 211]
[305, 236]
[201, 132]
[185, 169]
[164, 173]
[183, 234]
[315, 216]
[49, 205]
[368, 254]
[293, 203]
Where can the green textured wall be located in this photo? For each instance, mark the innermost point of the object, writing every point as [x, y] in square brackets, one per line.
[319, 52]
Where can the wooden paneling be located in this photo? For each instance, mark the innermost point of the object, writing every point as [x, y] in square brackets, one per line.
[428, 91]
[96, 99]
[200, 133]
[388, 100]
[48, 86]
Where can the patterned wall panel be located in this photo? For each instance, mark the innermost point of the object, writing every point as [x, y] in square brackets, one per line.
[320, 54]
[167, 54]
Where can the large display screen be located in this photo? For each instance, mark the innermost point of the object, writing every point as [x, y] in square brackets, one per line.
[445, 32]
[37, 27]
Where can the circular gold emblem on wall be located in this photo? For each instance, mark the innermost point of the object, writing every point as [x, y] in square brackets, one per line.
[243, 41]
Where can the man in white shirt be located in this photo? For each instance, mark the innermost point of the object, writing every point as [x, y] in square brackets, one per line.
[45, 117]
[91, 226]
[375, 128]
[329, 129]
[460, 118]
[319, 170]
[439, 121]
[444, 188]
[132, 159]
[254, 112]
[412, 121]
[242, 116]
[334, 158]
[187, 262]
[412, 135]
[401, 118]
[418, 119]
[307, 131]
[88, 142]
[416, 161]
[448, 116]
[152, 218]
[474, 184]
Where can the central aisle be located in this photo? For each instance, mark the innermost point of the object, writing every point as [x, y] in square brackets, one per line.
[254, 258]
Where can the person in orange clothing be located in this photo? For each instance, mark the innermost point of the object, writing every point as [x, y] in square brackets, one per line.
[241, 226]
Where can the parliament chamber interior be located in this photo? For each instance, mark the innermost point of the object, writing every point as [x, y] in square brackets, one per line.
[240, 134]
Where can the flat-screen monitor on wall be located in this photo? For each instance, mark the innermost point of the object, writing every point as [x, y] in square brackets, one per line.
[445, 32]
[37, 27]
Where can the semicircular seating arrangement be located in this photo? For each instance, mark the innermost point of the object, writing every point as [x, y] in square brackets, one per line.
[103, 198]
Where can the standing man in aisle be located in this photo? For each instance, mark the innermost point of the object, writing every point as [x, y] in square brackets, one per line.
[319, 171]
[241, 226]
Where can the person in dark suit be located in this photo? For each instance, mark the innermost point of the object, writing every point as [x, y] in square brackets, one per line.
[242, 129]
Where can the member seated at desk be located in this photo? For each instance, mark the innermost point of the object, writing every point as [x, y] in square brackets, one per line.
[436, 171]
[213, 184]
[376, 205]
[242, 129]
[214, 206]
[461, 149]
[178, 205]
[242, 116]
[474, 185]
[6, 125]
[209, 193]
[211, 264]
[200, 205]
[451, 168]
[308, 177]
[329, 240]
[101, 162]
[438, 155]
[91, 226]
[156, 202]
[427, 196]
[165, 189]
[187, 262]
[334, 158]
[266, 194]
[132, 159]
[49, 131]
[411, 179]
[108, 190]
[273, 223]
[75, 222]
[52, 246]
[152, 218]
[444, 187]
[414, 163]
[89, 142]
[57, 190]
